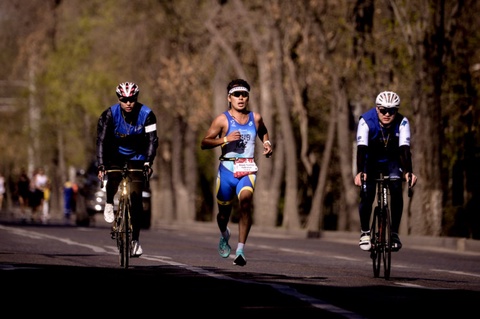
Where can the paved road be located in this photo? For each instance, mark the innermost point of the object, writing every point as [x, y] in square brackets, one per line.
[57, 270]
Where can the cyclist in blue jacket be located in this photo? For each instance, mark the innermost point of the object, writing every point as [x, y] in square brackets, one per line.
[383, 145]
[127, 133]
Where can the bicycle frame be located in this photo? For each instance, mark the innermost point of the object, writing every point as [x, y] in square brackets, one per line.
[122, 226]
[380, 230]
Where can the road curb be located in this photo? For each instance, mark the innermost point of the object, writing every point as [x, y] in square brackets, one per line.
[459, 244]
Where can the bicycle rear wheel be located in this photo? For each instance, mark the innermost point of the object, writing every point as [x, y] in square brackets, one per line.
[375, 252]
[387, 251]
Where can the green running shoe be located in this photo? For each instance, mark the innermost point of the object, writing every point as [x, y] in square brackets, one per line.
[223, 246]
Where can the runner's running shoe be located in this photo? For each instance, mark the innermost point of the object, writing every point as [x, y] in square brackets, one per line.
[240, 259]
[223, 246]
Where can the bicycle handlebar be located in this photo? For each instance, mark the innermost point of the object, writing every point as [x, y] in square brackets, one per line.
[125, 170]
[387, 178]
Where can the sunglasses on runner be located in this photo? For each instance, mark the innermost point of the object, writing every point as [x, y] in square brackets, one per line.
[130, 99]
[390, 111]
[240, 93]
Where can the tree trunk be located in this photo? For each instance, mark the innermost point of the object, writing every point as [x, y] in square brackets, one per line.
[163, 209]
[344, 142]
[315, 217]
[290, 213]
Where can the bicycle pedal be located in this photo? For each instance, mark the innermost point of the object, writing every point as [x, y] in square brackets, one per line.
[113, 231]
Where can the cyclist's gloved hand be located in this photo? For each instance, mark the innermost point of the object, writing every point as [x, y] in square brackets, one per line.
[100, 171]
[363, 184]
[147, 170]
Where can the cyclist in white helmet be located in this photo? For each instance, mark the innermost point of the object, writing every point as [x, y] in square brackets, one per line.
[126, 133]
[383, 145]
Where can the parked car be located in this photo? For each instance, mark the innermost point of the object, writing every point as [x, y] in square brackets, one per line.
[94, 197]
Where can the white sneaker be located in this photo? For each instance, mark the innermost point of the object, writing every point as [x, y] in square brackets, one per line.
[365, 243]
[136, 250]
[108, 214]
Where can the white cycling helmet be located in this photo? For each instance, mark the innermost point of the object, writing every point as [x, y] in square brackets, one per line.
[388, 99]
[127, 89]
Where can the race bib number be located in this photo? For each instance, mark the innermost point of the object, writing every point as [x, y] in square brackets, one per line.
[244, 166]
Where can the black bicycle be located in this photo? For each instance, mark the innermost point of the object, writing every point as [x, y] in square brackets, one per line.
[122, 225]
[380, 230]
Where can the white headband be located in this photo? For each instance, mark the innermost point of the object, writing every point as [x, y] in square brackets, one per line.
[238, 88]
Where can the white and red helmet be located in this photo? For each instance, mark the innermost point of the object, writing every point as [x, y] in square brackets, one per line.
[388, 99]
[127, 89]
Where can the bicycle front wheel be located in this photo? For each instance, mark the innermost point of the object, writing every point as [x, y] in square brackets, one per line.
[387, 252]
[123, 232]
[375, 252]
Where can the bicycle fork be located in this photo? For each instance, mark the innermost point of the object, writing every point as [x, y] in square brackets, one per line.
[382, 218]
[117, 227]
[125, 194]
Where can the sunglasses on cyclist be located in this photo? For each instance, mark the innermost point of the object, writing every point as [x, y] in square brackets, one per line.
[390, 111]
[130, 99]
[240, 93]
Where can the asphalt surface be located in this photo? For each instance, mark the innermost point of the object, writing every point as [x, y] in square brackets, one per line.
[40, 286]
[460, 244]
